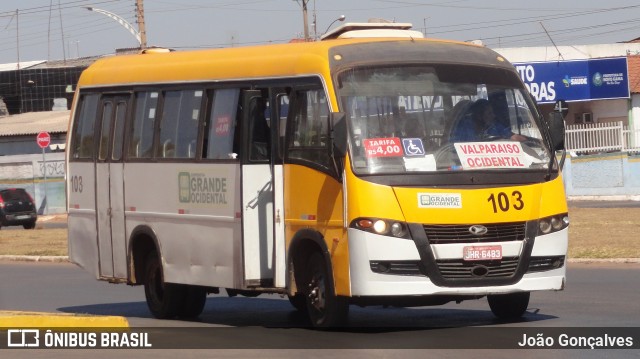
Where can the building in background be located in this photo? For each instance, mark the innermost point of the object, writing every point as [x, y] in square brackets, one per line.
[23, 164]
[40, 85]
[601, 83]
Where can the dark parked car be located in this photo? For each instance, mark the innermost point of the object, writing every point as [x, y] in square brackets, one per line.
[17, 208]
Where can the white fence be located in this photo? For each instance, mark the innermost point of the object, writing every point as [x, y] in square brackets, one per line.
[601, 137]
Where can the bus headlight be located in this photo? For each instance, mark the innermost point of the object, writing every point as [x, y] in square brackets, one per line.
[398, 229]
[545, 226]
[382, 227]
[553, 223]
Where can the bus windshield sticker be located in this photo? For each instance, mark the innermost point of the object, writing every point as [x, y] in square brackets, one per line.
[223, 124]
[383, 147]
[483, 155]
[439, 200]
[413, 147]
[425, 163]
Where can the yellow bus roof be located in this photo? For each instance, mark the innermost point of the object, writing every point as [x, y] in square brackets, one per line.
[266, 61]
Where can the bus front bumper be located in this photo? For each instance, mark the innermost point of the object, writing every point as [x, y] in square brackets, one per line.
[388, 266]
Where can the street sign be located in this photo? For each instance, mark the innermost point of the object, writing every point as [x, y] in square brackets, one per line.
[43, 139]
[561, 107]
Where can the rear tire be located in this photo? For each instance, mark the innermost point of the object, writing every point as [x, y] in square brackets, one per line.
[509, 306]
[165, 300]
[324, 308]
[195, 299]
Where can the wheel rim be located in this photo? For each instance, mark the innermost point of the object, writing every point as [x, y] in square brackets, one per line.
[317, 292]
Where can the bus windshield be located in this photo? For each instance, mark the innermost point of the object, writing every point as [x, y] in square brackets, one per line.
[436, 118]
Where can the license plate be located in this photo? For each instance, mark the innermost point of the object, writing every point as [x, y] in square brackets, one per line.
[482, 253]
[23, 217]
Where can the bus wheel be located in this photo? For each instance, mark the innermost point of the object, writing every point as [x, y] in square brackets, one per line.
[164, 300]
[325, 309]
[298, 301]
[509, 306]
[195, 299]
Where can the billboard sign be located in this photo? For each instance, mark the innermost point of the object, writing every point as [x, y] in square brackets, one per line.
[578, 80]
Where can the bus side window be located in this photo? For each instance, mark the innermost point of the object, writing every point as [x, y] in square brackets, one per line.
[260, 132]
[141, 143]
[179, 124]
[83, 137]
[309, 137]
[222, 126]
[105, 132]
[282, 103]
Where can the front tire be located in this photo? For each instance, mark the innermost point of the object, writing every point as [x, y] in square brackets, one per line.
[509, 306]
[325, 309]
[298, 301]
[165, 300]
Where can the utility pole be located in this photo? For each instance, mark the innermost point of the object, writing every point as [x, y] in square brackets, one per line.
[18, 35]
[141, 27]
[64, 53]
[305, 19]
[19, 78]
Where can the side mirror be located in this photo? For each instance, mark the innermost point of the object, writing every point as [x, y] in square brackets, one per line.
[338, 134]
[556, 130]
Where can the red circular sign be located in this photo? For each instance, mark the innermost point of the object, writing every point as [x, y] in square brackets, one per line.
[43, 139]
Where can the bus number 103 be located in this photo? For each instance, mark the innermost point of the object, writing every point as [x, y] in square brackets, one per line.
[501, 201]
[76, 183]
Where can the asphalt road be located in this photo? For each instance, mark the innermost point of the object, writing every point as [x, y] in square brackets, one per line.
[597, 295]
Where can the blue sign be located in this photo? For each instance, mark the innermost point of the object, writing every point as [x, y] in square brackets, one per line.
[413, 147]
[579, 80]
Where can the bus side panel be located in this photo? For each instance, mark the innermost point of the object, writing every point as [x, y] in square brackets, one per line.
[315, 200]
[191, 209]
[82, 237]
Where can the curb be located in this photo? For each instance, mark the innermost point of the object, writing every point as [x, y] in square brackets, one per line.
[38, 320]
[51, 259]
[60, 259]
[604, 260]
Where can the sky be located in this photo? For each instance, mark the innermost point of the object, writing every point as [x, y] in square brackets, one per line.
[32, 30]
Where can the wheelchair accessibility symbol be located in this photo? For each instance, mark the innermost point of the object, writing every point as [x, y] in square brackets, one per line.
[413, 147]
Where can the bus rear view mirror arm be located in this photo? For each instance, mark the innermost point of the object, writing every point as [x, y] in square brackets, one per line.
[338, 134]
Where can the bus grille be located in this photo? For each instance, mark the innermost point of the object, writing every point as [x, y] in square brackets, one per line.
[540, 264]
[459, 269]
[396, 267]
[496, 232]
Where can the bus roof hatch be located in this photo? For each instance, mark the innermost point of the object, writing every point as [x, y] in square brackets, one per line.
[372, 29]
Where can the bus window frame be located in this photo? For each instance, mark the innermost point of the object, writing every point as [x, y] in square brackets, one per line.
[117, 96]
[76, 124]
[275, 87]
[294, 105]
[131, 121]
[160, 118]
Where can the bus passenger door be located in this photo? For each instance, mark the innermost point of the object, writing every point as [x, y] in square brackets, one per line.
[262, 214]
[110, 188]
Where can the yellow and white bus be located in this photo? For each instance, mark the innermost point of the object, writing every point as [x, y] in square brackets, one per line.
[353, 170]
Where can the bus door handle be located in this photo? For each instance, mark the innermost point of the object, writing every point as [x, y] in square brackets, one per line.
[254, 202]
